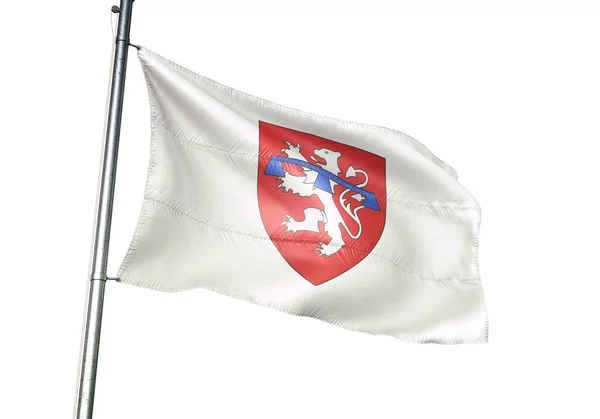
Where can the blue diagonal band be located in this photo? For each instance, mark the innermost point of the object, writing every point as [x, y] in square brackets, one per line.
[274, 168]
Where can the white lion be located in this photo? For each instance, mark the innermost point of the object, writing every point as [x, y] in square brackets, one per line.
[304, 185]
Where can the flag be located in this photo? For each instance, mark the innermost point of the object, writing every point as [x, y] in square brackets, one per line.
[356, 225]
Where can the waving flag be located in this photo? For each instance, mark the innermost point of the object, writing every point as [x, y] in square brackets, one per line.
[357, 225]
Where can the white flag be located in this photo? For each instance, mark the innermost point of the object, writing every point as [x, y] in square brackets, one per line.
[357, 225]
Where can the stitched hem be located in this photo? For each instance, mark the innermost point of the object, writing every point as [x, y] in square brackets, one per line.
[141, 220]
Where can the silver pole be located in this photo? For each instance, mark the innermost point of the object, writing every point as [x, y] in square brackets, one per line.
[93, 321]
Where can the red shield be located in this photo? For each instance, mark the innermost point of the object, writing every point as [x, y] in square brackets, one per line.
[322, 203]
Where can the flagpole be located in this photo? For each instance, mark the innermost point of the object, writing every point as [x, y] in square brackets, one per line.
[91, 335]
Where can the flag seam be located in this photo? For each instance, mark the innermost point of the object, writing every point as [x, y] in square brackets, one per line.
[242, 233]
[186, 141]
[421, 148]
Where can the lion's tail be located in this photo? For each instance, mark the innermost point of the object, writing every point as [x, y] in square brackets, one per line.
[353, 215]
[352, 172]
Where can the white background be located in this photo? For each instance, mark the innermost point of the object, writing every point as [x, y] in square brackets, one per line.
[508, 93]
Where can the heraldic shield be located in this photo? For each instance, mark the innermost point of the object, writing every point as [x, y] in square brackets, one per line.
[323, 203]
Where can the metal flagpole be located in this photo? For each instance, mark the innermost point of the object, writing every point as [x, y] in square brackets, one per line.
[93, 320]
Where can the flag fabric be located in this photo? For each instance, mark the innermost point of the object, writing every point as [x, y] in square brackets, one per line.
[356, 225]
